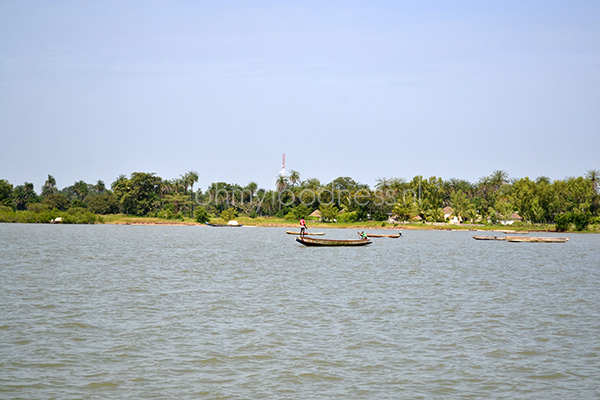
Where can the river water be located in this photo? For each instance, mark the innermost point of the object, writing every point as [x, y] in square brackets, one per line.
[189, 312]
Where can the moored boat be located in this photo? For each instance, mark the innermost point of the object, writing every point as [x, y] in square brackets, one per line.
[305, 233]
[308, 241]
[537, 239]
[229, 224]
[378, 235]
[488, 238]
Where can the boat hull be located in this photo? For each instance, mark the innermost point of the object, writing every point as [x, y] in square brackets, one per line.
[306, 233]
[537, 239]
[222, 225]
[488, 238]
[308, 241]
[377, 235]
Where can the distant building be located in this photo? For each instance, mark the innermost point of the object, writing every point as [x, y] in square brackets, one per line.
[449, 215]
[512, 219]
[316, 214]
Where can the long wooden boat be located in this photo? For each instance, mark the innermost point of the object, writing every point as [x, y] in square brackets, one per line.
[305, 233]
[378, 235]
[537, 239]
[488, 238]
[227, 225]
[308, 241]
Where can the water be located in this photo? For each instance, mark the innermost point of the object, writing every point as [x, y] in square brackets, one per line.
[97, 312]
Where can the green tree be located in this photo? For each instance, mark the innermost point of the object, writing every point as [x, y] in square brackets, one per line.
[6, 193]
[139, 194]
[328, 212]
[498, 178]
[103, 204]
[281, 183]
[49, 186]
[294, 177]
[24, 195]
[56, 201]
[81, 189]
[311, 184]
[460, 204]
[405, 210]
[100, 187]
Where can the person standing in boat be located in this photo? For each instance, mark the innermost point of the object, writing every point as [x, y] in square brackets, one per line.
[302, 227]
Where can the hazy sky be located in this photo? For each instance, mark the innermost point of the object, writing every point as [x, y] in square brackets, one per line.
[366, 89]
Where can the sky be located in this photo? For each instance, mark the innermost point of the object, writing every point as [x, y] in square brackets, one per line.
[365, 89]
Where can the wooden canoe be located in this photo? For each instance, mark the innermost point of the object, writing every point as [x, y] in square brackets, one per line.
[488, 238]
[221, 225]
[377, 235]
[537, 239]
[308, 241]
[306, 233]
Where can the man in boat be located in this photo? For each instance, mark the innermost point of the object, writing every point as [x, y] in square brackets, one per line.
[302, 227]
[363, 235]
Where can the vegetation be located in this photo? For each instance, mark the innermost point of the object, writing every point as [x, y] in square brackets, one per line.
[571, 203]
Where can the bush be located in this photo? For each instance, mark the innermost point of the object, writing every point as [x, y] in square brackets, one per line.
[298, 212]
[348, 217]
[563, 222]
[581, 220]
[201, 215]
[229, 214]
[38, 207]
[76, 203]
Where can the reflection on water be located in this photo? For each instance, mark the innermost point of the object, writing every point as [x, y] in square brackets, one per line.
[198, 312]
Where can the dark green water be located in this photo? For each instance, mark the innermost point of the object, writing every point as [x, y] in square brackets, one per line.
[99, 312]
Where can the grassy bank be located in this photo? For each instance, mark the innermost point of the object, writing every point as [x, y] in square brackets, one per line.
[361, 225]
[82, 216]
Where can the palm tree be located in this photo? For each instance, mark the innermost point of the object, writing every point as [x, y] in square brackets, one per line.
[81, 189]
[24, 194]
[100, 186]
[543, 179]
[281, 183]
[294, 177]
[119, 179]
[164, 188]
[51, 182]
[311, 183]
[49, 186]
[499, 178]
[251, 189]
[382, 184]
[192, 177]
[396, 185]
[594, 176]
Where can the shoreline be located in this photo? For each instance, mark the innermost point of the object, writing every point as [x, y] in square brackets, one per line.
[397, 227]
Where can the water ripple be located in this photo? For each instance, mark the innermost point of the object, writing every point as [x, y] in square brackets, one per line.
[194, 312]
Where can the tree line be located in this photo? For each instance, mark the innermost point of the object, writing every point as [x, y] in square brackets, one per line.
[573, 200]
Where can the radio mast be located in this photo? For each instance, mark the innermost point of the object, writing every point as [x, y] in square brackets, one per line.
[282, 172]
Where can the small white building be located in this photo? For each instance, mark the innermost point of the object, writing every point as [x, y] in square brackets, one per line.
[450, 217]
[512, 219]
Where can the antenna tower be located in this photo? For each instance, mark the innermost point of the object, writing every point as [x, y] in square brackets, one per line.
[282, 172]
